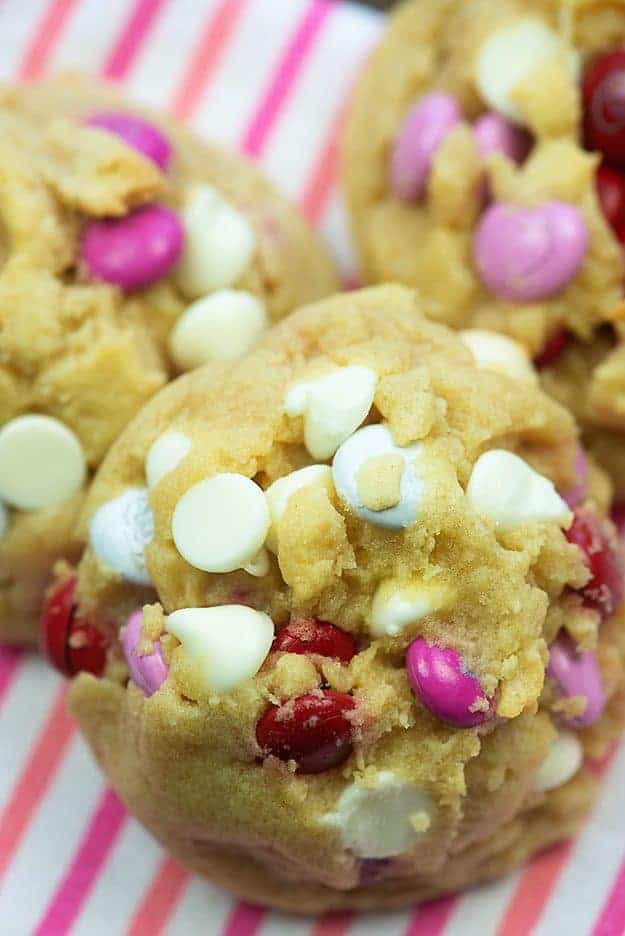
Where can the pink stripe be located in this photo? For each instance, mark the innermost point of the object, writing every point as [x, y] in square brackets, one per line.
[97, 842]
[431, 918]
[611, 920]
[244, 920]
[131, 38]
[10, 659]
[44, 38]
[285, 76]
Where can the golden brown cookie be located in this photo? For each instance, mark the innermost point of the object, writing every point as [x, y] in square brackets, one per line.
[354, 644]
[472, 174]
[131, 250]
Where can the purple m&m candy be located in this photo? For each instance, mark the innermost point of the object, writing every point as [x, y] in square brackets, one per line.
[440, 681]
[427, 124]
[135, 250]
[148, 672]
[577, 674]
[139, 134]
[529, 254]
[494, 134]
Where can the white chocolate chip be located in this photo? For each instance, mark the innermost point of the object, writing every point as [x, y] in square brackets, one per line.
[4, 520]
[510, 55]
[222, 326]
[227, 645]
[220, 524]
[380, 822]
[508, 490]
[333, 407]
[219, 243]
[165, 455]
[371, 442]
[258, 566]
[119, 532]
[279, 493]
[396, 605]
[42, 462]
[495, 352]
[561, 763]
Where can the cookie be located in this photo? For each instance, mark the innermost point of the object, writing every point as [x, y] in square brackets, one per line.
[351, 644]
[484, 163]
[131, 251]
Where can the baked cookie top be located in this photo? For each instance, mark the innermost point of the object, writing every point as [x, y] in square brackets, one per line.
[314, 535]
[467, 178]
[131, 250]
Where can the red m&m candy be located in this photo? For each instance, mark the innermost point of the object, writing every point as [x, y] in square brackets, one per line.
[315, 637]
[553, 348]
[602, 554]
[313, 730]
[611, 191]
[604, 106]
[70, 644]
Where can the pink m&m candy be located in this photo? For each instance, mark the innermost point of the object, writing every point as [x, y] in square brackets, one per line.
[148, 672]
[440, 681]
[494, 134]
[577, 674]
[578, 493]
[427, 124]
[528, 254]
[135, 250]
[139, 134]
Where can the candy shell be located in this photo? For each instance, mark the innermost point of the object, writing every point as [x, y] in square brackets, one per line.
[420, 136]
[149, 672]
[530, 254]
[137, 133]
[133, 251]
[440, 681]
[577, 673]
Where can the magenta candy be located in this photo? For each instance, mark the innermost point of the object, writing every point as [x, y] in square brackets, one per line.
[139, 134]
[135, 250]
[425, 127]
[494, 134]
[148, 672]
[528, 254]
[577, 674]
[578, 493]
[441, 683]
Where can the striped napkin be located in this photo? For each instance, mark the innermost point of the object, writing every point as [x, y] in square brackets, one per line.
[270, 78]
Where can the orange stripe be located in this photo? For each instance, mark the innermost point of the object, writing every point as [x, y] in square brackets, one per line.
[332, 924]
[539, 879]
[160, 900]
[206, 57]
[44, 38]
[35, 779]
[533, 891]
[325, 170]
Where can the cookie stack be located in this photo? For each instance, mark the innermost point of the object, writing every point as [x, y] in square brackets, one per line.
[342, 606]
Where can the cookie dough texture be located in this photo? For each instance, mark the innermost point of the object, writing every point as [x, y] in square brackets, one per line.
[433, 45]
[186, 760]
[85, 352]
